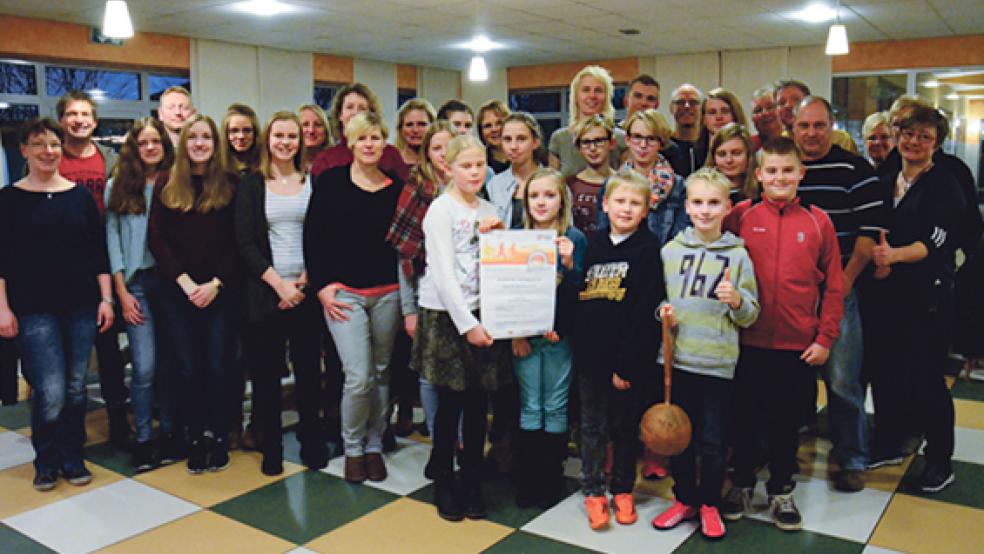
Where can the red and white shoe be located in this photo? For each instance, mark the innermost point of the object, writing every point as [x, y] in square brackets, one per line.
[675, 514]
[711, 525]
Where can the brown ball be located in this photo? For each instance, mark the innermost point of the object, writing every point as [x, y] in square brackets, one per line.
[665, 429]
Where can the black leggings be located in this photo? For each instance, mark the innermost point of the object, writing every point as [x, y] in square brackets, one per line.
[471, 405]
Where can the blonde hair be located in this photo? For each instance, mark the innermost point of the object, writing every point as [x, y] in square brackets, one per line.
[361, 124]
[410, 105]
[905, 102]
[323, 117]
[713, 178]
[730, 131]
[594, 122]
[601, 74]
[425, 172]
[217, 189]
[631, 179]
[655, 122]
[564, 218]
[873, 121]
[265, 165]
[459, 144]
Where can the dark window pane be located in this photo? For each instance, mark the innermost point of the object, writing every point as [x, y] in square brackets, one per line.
[548, 125]
[404, 95]
[159, 83]
[323, 96]
[114, 85]
[11, 116]
[619, 97]
[535, 102]
[16, 78]
[15, 113]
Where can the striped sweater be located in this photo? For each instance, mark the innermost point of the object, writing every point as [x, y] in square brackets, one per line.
[707, 329]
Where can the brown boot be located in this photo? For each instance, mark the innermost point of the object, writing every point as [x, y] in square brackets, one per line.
[355, 469]
[375, 466]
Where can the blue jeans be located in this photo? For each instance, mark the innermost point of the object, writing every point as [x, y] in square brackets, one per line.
[544, 381]
[145, 287]
[845, 393]
[55, 353]
[203, 348]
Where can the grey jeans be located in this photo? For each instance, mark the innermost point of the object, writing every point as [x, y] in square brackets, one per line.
[364, 344]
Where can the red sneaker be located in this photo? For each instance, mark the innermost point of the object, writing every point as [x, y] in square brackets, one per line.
[597, 507]
[654, 466]
[674, 515]
[711, 525]
[625, 512]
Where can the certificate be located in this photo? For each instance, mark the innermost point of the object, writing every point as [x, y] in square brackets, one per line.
[518, 276]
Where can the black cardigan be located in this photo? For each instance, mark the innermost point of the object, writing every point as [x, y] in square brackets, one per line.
[253, 241]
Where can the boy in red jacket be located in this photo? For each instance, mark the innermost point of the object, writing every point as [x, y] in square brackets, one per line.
[793, 247]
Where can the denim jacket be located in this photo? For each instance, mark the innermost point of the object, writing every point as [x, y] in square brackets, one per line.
[126, 237]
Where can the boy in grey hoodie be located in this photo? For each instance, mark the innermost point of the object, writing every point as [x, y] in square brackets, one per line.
[711, 292]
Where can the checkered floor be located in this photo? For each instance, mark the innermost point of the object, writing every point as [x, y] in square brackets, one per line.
[240, 510]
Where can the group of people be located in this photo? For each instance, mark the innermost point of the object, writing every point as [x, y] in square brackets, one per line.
[227, 249]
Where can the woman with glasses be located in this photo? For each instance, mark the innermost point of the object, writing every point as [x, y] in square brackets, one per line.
[55, 293]
[718, 109]
[241, 155]
[914, 264]
[591, 94]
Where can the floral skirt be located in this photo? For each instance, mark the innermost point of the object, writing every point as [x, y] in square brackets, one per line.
[446, 358]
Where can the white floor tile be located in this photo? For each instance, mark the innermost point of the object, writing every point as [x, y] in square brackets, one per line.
[851, 516]
[572, 468]
[969, 445]
[404, 466]
[302, 550]
[15, 450]
[869, 549]
[104, 516]
[568, 522]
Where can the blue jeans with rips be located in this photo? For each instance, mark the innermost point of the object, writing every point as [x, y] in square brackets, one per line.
[55, 353]
[845, 393]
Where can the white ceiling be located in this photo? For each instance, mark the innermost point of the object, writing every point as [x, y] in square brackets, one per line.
[422, 32]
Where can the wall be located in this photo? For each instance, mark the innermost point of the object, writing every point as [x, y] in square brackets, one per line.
[911, 54]
[381, 78]
[438, 85]
[477, 93]
[332, 69]
[560, 74]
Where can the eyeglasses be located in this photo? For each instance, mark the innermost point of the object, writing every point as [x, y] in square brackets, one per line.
[909, 135]
[594, 143]
[643, 140]
[45, 145]
[878, 138]
[245, 131]
[686, 102]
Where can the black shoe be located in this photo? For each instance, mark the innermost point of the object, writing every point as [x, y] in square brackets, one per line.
[45, 480]
[936, 477]
[429, 472]
[197, 457]
[272, 464]
[736, 503]
[553, 486]
[121, 435]
[474, 501]
[315, 456]
[172, 448]
[784, 512]
[143, 457]
[218, 455]
[79, 476]
[447, 501]
[389, 439]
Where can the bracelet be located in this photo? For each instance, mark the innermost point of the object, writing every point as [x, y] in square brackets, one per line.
[108, 301]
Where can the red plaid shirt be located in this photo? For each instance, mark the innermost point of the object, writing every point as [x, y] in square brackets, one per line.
[406, 233]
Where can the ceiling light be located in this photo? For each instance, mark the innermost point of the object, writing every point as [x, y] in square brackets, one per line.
[265, 8]
[952, 96]
[4, 105]
[116, 21]
[478, 71]
[930, 84]
[480, 45]
[815, 13]
[837, 36]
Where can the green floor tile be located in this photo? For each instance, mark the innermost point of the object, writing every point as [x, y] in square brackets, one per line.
[110, 458]
[756, 537]
[968, 390]
[292, 448]
[967, 489]
[12, 541]
[304, 506]
[17, 416]
[527, 543]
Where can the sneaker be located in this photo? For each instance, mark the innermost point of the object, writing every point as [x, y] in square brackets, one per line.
[625, 512]
[197, 457]
[849, 480]
[653, 467]
[936, 477]
[675, 514]
[711, 525]
[784, 512]
[79, 476]
[172, 448]
[736, 503]
[597, 507]
[143, 457]
[882, 460]
[45, 480]
[218, 455]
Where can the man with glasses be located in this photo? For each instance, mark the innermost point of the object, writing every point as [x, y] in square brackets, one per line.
[845, 186]
[88, 164]
[685, 108]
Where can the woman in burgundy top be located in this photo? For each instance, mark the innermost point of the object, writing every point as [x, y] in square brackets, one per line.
[191, 234]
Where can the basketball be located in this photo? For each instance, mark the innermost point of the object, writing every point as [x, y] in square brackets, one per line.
[665, 429]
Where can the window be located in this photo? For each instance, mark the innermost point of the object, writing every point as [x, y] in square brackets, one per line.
[551, 107]
[403, 95]
[101, 84]
[157, 84]
[323, 95]
[18, 78]
[854, 98]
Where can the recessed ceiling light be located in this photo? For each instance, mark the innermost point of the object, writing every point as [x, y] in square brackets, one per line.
[815, 13]
[953, 96]
[265, 8]
[930, 84]
[480, 44]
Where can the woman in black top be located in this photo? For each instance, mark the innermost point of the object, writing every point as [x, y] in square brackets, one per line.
[270, 209]
[908, 300]
[192, 238]
[53, 272]
[353, 271]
